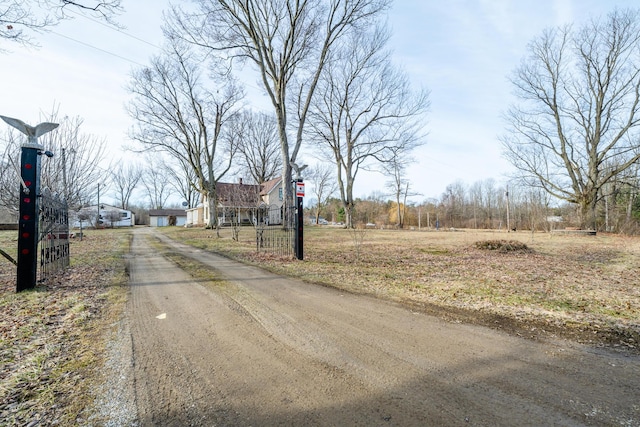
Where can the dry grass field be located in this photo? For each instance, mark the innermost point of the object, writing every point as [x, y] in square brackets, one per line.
[583, 287]
[53, 338]
[586, 288]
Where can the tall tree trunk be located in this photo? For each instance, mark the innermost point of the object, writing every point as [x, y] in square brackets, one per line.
[606, 213]
[349, 205]
[212, 203]
[588, 217]
[632, 197]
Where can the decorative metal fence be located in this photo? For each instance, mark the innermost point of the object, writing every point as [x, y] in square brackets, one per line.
[275, 230]
[54, 235]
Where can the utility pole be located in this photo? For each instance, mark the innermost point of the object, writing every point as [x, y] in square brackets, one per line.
[506, 194]
[98, 219]
[64, 176]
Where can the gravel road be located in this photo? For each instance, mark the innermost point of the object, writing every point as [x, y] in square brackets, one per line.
[265, 350]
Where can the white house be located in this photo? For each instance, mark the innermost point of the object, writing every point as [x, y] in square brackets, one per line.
[272, 198]
[272, 192]
[237, 203]
[167, 217]
[106, 217]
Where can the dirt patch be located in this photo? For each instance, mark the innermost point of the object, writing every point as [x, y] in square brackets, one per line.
[622, 340]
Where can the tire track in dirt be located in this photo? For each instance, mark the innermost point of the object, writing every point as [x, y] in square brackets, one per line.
[267, 350]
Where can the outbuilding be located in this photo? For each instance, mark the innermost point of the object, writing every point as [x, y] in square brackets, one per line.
[167, 217]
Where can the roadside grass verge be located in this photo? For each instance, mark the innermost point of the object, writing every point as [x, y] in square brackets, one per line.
[52, 338]
[206, 275]
[583, 287]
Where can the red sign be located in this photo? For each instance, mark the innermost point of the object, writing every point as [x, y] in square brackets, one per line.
[299, 189]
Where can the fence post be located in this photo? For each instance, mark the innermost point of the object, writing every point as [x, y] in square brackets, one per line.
[28, 221]
[29, 193]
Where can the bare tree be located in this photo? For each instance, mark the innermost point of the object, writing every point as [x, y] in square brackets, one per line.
[475, 198]
[10, 171]
[259, 147]
[183, 179]
[322, 179]
[111, 217]
[395, 167]
[90, 216]
[490, 201]
[536, 204]
[289, 42]
[76, 166]
[125, 178]
[156, 183]
[72, 171]
[579, 110]
[364, 106]
[453, 203]
[618, 200]
[631, 196]
[176, 114]
[240, 203]
[20, 19]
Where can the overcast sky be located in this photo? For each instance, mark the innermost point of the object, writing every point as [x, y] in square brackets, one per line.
[463, 51]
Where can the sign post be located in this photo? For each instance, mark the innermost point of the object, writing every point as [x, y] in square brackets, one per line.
[299, 219]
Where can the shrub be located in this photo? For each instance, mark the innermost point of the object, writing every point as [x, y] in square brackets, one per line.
[503, 245]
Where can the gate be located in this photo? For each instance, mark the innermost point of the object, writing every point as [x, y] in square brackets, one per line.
[54, 217]
[275, 230]
[54, 235]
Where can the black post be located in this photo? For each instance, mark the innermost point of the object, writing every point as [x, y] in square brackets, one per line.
[28, 221]
[299, 189]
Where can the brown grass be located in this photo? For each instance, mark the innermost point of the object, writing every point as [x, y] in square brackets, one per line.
[52, 338]
[502, 245]
[586, 287]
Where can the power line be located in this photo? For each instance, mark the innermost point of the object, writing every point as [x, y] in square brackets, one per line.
[110, 27]
[114, 28]
[97, 48]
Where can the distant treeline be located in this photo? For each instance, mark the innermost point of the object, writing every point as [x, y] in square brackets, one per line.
[487, 205]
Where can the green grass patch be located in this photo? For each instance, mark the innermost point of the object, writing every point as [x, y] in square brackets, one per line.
[202, 273]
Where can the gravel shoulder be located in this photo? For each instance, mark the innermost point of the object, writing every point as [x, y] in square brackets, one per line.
[260, 349]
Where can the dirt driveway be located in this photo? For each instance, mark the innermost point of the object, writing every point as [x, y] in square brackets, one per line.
[264, 350]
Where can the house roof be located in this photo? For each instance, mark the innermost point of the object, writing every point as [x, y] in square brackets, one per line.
[238, 195]
[167, 212]
[268, 186]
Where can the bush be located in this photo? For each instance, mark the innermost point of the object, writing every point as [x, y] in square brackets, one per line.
[503, 245]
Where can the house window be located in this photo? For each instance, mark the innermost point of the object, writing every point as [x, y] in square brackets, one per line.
[280, 193]
[123, 215]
